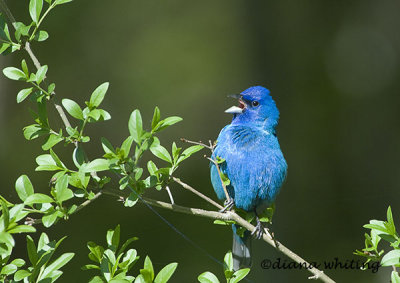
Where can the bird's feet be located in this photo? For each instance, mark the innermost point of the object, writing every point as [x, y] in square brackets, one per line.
[228, 204]
[259, 230]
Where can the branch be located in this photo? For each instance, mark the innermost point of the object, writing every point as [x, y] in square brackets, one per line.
[232, 216]
[27, 48]
[211, 147]
[33, 221]
[196, 192]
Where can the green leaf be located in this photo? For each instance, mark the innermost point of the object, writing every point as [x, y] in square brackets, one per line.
[395, 278]
[377, 225]
[22, 229]
[14, 74]
[148, 265]
[4, 47]
[156, 117]
[5, 214]
[9, 269]
[96, 251]
[166, 123]
[72, 108]
[90, 266]
[135, 126]
[51, 88]
[98, 95]
[31, 247]
[57, 264]
[126, 244]
[78, 156]
[24, 67]
[131, 200]
[239, 275]
[22, 94]
[6, 238]
[4, 32]
[42, 35]
[151, 167]
[61, 190]
[391, 258]
[21, 274]
[107, 146]
[51, 141]
[56, 159]
[59, 2]
[24, 187]
[165, 274]
[35, 8]
[46, 163]
[95, 166]
[21, 29]
[391, 226]
[38, 198]
[161, 153]
[188, 152]
[113, 238]
[43, 241]
[104, 114]
[18, 262]
[41, 73]
[175, 151]
[207, 277]
[50, 218]
[228, 261]
[129, 258]
[126, 146]
[34, 131]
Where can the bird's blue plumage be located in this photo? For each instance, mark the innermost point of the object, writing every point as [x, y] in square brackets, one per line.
[254, 162]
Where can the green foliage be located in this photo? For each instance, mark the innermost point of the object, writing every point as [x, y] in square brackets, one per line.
[386, 231]
[113, 263]
[231, 276]
[73, 185]
[42, 268]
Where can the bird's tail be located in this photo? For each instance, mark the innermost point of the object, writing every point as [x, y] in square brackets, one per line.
[241, 249]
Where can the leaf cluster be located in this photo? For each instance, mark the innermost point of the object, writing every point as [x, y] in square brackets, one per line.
[231, 276]
[382, 231]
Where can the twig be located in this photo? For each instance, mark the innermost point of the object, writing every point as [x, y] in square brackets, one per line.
[198, 143]
[170, 195]
[196, 192]
[34, 59]
[211, 148]
[227, 196]
[27, 48]
[33, 221]
[230, 215]
[87, 202]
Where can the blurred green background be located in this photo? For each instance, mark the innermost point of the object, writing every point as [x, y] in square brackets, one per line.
[331, 66]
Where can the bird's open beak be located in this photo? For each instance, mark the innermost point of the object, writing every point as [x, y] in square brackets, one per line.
[236, 109]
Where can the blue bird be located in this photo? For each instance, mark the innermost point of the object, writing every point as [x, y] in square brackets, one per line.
[254, 162]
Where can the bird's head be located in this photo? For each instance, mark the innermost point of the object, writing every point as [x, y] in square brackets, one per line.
[256, 107]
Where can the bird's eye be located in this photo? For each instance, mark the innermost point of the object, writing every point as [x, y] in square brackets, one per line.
[255, 103]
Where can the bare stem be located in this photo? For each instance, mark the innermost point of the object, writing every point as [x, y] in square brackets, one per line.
[87, 202]
[196, 192]
[230, 215]
[198, 143]
[171, 198]
[32, 221]
[227, 196]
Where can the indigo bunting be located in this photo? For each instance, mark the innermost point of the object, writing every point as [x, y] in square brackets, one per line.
[254, 162]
